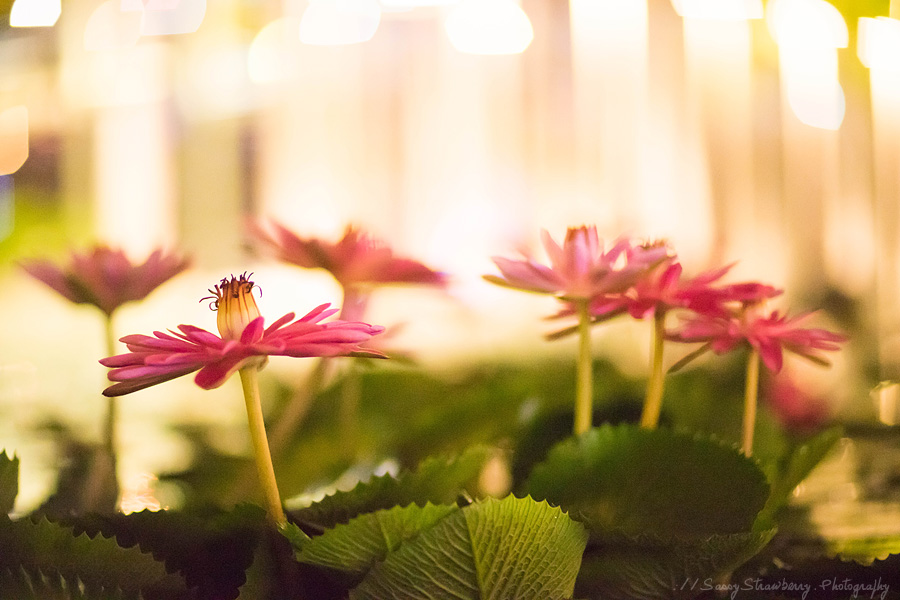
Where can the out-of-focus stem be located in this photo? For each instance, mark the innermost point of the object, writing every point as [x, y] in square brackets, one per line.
[750, 398]
[653, 400]
[584, 371]
[297, 407]
[261, 455]
[109, 428]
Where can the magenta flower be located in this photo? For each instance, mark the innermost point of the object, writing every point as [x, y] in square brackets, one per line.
[770, 335]
[106, 277]
[244, 341]
[663, 289]
[353, 260]
[580, 269]
[795, 407]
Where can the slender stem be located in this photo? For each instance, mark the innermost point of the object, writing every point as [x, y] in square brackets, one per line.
[112, 407]
[750, 398]
[290, 420]
[584, 392]
[653, 400]
[263, 458]
[351, 392]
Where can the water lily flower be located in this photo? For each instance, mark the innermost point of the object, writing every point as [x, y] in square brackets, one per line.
[243, 345]
[770, 335]
[663, 288]
[580, 269]
[244, 340]
[796, 408]
[355, 259]
[105, 277]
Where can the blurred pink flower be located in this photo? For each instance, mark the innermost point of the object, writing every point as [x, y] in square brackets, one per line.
[795, 407]
[771, 335]
[244, 340]
[663, 288]
[106, 277]
[580, 269]
[353, 260]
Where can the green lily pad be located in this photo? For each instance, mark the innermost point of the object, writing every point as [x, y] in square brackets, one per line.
[511, 548]
[9, 482]
[354, 547]
[635, 481]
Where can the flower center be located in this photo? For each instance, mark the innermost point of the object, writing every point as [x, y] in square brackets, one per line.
[236, 307]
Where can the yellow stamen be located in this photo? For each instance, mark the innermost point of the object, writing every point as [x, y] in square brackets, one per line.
[236, 306]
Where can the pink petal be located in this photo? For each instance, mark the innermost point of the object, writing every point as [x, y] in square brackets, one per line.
[215, 374]
[253, 331]
[277, 324]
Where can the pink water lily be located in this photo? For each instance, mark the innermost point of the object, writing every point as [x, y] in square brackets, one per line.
[796, 408]
[664, 288]
[105, 277]
[580, 269]
[244, 340]
[770, 335]
[353, 260]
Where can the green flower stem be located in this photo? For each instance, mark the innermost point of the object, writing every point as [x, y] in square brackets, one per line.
[750, 397]
[584, 371]
[351, 392]
[112, 407]
[262, 457]
[653, 400]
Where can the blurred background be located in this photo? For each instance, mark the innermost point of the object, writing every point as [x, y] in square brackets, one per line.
[766, 133]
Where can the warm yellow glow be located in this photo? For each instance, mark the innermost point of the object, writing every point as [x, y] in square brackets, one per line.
[878, 45]
[806, 23]
[887, 397]
[720, 10]
[813, 92]
[185, 16]
[339, 22]
[808, 32]
[13, 139]
[489, 27]
[109, 28]
[34, 13]
[132, 170]
[142, 5]
[272, 56]
[402, 4]
[137, 494]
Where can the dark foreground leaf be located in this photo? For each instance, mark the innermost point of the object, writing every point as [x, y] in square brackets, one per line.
[9, 481]
[98, 563]
[437, 480]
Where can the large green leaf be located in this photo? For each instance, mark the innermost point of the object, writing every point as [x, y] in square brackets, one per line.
[210, 549]
[637, 481]
[650, 568]
[511, 548]
[353, 548]
[437, 480]
[99, 563]
[9, 482]
[20, 585]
